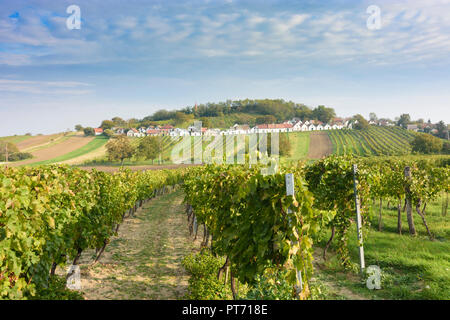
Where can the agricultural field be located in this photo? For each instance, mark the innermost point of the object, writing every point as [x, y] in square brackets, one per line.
[373, 141]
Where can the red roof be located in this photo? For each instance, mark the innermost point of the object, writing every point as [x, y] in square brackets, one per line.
[167, 127]
[152, 131]
[275, 126]
[98, 130]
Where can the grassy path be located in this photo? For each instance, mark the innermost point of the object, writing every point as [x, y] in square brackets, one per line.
[144, 261]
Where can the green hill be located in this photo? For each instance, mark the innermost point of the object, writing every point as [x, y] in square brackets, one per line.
[373, 141]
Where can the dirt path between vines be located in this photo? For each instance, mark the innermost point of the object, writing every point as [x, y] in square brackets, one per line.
[319, 145]
[144, 260]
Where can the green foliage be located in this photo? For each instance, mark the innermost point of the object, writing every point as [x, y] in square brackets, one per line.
[119, 149]
[47, 213]
[247, 214]
[404, 120]
[426, 143]
[78, 127]
[323, 114]
[272, 285]
[89, 131]
[266, 119]
[361, 122]
[107, 124]
[203, 268]
[109, 133]
[56, 290]
[148, 147]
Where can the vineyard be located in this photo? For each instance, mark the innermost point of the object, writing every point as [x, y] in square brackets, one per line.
[51, 214]
[373, 141]
[257, 228]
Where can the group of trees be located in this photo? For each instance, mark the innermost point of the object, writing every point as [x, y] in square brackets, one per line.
[273, 110]
[10, 152]
[121, 148]
[426, 143]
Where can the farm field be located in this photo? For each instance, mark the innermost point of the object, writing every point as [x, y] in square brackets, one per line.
[55, 149]
[84, 152]
[373, 141]
[320, 145]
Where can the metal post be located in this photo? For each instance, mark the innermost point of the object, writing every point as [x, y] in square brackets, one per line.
[289, 178]
[358, 221]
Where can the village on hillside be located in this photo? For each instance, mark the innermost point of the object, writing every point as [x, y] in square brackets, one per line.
[293, 125]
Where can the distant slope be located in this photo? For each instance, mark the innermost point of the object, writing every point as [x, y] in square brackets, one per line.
[82, 152]
[15, 139]
[320, 145]
[27, 145]
[373, 141]
[55, 150]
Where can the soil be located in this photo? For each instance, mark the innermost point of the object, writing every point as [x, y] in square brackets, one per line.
[56, 150]
[136, 168]
[37, 141]
[320, 145]
[144, 261]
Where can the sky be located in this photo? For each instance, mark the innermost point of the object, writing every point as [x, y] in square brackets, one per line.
[132, 58]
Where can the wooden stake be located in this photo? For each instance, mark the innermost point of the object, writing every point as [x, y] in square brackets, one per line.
[362, 263]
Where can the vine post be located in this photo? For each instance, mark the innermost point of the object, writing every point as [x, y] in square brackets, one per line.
[358, 221]
[289, 178]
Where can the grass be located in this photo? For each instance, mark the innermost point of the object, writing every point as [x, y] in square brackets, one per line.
[299, 145]
[96, 143]
[56, 140]
[15, 139]
[412, 267]
[372, 141]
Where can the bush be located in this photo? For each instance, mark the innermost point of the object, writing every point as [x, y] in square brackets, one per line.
[16, 156]
[426, 143]
[57, 291]
[203, 283]
[272, 285]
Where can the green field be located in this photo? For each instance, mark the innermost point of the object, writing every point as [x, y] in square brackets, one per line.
[96, 143]
[299, 145]
[411, 267]
[15, 139]
[373, 141]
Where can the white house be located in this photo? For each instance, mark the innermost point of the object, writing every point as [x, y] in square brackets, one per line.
[327, 127]
[311, 127]
[297, 126]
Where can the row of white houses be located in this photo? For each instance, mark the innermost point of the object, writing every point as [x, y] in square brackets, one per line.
[238, 129]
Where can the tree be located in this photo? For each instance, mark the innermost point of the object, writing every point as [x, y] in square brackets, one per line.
[88, 131]
[119, 148]
[148, 148]
[404, 120]
[109, 133]
[361, 122]
[119, 122]
[426, 143]
[7, 148]
[266, 119]
[373, 116]
[107, 124]
[78, 127]
[285, 145]
[181, 117]
[323, 114]
[442, 130]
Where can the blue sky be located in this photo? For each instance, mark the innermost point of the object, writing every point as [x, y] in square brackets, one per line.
[131, 58]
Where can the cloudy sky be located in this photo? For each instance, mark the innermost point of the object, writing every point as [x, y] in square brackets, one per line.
[131, 58]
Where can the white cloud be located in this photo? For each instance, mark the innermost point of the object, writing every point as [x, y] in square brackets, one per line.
[44, 87]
